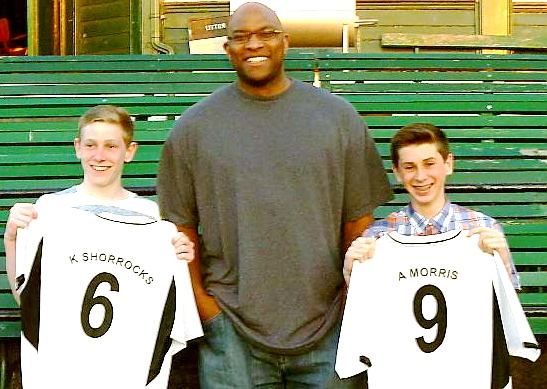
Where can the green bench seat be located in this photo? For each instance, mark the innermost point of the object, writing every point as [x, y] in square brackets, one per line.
[41, 99]
[493, 108]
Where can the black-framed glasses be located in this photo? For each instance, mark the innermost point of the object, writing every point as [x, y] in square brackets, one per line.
[242, 37]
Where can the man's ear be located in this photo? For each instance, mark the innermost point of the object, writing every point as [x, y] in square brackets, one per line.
[226, 46]
[286, 42]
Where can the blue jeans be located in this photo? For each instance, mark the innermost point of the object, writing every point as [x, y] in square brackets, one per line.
[227, 361]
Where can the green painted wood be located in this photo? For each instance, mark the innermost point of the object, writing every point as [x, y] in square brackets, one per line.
[7, 302]
[469, 156]
[533, 299]
[472, 180]
[533, 242]
[530, 259]
[450, 103]
[120, 83]
[471, 130]
[67, 170]
[486, 171]
[132, 63]
[525, 226]
[61, 183]
[497, 211]
[431, 61]
[4, 284]
[534, 278]
[439, 87]
[10, 329]
[382, 128]
[487, 123]
[441, 75]
[494, 107]
[485, 198]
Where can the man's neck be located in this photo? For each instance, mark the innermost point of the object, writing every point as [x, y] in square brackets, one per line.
[269, 90]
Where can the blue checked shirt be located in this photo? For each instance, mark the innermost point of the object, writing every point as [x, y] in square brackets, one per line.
[406, 221]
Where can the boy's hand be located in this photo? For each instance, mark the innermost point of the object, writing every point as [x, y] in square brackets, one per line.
[491, 240]
[20, 215]
[184, 247]
[361, 249]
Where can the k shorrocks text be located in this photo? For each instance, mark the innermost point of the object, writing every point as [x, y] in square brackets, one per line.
[112, 259]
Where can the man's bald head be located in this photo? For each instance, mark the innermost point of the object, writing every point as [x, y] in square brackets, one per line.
[253, 8]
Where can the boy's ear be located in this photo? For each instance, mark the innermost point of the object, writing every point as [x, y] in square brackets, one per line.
[449, 164]
[397, 176]
[77, 147]
[130, 151]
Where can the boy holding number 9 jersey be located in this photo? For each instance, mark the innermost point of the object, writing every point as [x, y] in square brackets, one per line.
[421, 162]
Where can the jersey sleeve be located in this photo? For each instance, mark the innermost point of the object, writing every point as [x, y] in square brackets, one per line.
[187, 324]
[350, 347]
[515, 279]
[518, 334]
[28, 240]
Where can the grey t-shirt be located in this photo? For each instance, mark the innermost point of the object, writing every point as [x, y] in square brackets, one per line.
[271, 182]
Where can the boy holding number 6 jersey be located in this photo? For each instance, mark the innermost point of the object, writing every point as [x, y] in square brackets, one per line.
[102, 281]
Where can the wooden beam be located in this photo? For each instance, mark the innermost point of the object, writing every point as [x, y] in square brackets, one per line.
[495, 19]
[495, 16]
[464, 41]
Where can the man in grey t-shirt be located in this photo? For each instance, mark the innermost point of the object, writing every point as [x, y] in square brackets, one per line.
[281, 177]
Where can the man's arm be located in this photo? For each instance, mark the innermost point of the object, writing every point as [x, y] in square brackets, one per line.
[353, 230]
[206, 304]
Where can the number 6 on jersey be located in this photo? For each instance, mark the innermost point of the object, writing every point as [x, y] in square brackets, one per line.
[90, 301]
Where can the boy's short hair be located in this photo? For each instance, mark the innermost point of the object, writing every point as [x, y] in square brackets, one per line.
[108, 114]
[417, 134]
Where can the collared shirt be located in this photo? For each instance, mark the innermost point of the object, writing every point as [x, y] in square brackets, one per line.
[406, 221]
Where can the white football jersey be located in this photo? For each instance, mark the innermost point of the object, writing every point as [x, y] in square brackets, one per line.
[104, 301]
[420, 314]
[519, 337]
